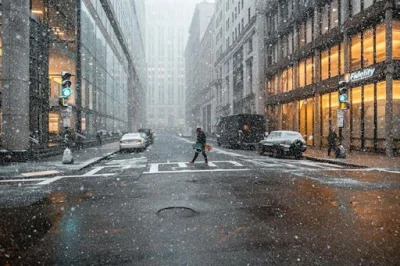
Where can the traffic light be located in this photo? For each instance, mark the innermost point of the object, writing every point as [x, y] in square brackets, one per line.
[343, 98]
[66, 88]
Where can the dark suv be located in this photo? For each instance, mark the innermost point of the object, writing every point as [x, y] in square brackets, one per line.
[149, 134]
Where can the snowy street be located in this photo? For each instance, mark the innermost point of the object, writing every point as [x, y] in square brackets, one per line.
[154, 208]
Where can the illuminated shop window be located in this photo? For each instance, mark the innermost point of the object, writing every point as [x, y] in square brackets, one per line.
[396, 113]
[355, 52]
[301, 74]
[369, 111]
[54, 123]
[396, 40]
[368, 47]
[380, 113]
[380, 43]
[309, 71]
[356, 109]
[38, 9]
[290, 79]
[334, 61]
[324, 65]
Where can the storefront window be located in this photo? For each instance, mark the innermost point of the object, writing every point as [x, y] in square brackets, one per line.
[369, 123]
[368, 45]
[355, 52]
[341, 59]
[300, 74]
[302, 34]
[325, 65]
[325, 105]
[380, 43]
[37, 9]
[284, 81]
[309, 71]
[356, 108]
[334, 61]
[396, 40]
[334, 109]
[396, 113]
[290, 79]
[54, 123]
[380, 115]
[306, 120]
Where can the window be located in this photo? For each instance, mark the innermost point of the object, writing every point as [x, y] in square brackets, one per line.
[369, 112]
[325, 65]
[290, 79]
[396, 112]
[284, 81]
[355, 62]
[309, 30]
[355, 7]
[380, 43]
[356, 117]
[334, 14]
[300, 74]
[302, 34]
[368, 45]
[325, 19]
[334, 61]
[309, 71]
[396, 40]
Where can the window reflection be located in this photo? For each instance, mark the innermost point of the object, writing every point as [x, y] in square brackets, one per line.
[355, 52]
[368, 47]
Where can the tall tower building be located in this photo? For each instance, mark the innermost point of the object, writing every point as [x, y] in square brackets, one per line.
[167, 27]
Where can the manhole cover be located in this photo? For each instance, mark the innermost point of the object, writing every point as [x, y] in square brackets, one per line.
[182, 212]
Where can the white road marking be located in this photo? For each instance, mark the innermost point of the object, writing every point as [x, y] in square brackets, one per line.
[182, 165]
[49, 181]
[154, 168]
[22, 180]
[211, 164]
[196, 171]
[235, 163]
[32, 174]
[94, 171]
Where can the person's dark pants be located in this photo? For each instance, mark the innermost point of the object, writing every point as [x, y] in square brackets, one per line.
[197, 154]
[331, 147]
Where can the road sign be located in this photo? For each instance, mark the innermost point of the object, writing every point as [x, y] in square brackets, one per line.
[66, 122]
[340, 118]
[66, 112]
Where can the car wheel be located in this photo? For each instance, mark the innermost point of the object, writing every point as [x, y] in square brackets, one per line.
[276, 153]
[260, 150]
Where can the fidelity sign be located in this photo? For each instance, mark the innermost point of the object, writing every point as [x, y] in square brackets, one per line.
[359, 75]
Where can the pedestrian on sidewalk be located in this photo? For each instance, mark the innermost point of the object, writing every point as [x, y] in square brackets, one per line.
[98, 137]
[332, 140]
[200, 146]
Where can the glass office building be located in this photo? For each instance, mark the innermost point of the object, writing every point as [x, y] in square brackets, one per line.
[86, 38]
[310, 49]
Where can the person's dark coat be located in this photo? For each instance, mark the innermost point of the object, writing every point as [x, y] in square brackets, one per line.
[332, 139]
[201, 138]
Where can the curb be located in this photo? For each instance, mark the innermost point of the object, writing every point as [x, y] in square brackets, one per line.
[316, 159]
[62, 173]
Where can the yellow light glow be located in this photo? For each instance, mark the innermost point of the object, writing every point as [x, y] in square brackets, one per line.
[37, 12]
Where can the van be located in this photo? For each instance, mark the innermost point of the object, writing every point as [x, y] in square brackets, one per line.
[243, 131]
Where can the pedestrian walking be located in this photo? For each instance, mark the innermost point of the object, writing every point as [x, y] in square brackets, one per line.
[98, 137]
[332, 141]
[200, 146]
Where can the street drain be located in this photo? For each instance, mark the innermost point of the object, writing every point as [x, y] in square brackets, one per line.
[182, 212]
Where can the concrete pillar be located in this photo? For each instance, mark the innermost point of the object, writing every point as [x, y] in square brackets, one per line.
[15, 105]
[389, 80]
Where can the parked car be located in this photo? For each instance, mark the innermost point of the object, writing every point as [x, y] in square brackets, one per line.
[241, 131]
[149, 134]
[283, 143]
[132, 141]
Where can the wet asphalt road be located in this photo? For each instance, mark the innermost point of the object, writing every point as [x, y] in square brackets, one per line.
[152, 208]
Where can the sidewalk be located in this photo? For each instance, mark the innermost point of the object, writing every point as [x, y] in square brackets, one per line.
[356, 159]
[53, 166]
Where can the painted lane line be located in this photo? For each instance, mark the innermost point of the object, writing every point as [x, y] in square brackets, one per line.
[22, 180]
[211, 164]
[154, 168]
[94, 171]
[196, 171]
[33, 174]
[236, 163]
[52, 180]
[182, 165]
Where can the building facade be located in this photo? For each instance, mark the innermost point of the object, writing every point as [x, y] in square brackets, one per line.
[239, 28]
[167, 26]
[200, 70]
[311, 47]
[89, 39]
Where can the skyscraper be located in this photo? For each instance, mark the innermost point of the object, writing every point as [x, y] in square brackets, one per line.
[167, 27]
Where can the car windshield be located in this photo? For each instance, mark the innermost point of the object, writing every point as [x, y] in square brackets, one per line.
[133, 135]
[291, 135]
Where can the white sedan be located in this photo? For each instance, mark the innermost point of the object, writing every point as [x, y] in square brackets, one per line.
[132, 141]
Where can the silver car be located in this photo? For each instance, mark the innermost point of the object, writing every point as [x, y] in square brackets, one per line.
[283, 143]
[133, 141]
